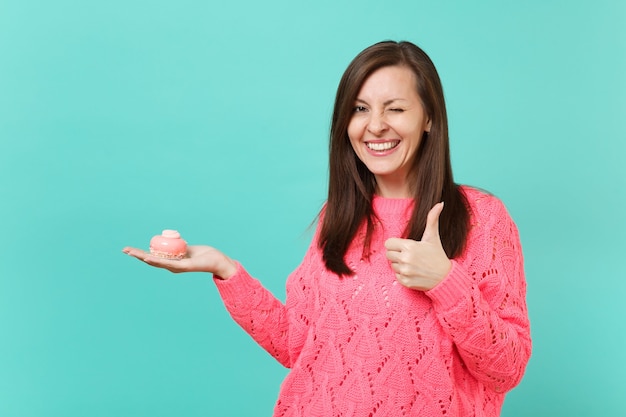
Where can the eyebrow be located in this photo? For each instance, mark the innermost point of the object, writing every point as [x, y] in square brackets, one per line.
[386, 103]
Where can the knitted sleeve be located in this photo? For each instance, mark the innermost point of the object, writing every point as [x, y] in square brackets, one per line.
[278, 328]
[481, 304]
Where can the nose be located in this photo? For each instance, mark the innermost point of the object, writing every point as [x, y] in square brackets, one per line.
[377, 124]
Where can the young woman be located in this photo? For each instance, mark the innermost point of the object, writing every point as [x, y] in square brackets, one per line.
[410, 300]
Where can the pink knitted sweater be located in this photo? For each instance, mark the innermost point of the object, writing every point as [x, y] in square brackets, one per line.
[367, 346]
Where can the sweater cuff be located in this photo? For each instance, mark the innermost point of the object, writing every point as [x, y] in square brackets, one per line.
[237, 286]
[455, 287]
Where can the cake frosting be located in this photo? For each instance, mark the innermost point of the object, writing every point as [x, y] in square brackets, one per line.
[168, 245]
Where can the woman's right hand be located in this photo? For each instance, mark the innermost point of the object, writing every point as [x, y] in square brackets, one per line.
[197, 259]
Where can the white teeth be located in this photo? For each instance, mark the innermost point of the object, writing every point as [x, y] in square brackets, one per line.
[382, 146]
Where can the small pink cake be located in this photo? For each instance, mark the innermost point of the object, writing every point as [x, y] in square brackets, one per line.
[168, 245]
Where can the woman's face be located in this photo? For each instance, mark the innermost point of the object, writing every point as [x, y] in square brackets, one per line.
[387, 126]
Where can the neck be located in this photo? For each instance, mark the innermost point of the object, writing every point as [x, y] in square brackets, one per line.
[393, 187]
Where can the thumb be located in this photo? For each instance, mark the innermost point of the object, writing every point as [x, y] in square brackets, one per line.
[431, 232]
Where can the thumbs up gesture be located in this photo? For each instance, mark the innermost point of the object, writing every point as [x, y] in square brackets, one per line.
[420, 265]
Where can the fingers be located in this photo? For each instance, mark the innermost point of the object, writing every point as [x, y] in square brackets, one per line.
[172, 265]
[431, 232]
[395, 244]
[134, 252]
[395, 247]
[420, 264]
[169, 264]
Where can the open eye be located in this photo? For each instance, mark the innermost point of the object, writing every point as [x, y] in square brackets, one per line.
[359, 109]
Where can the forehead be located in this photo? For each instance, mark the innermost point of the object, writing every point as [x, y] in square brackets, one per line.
[390, 81]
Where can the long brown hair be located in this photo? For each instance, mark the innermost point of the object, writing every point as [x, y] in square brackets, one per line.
[352, 186]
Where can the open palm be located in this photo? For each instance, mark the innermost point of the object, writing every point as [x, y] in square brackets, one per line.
[199, 258]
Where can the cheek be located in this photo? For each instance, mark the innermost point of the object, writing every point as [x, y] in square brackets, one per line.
[354, 135]
[416, 142]
[353, 132]
[415, 135]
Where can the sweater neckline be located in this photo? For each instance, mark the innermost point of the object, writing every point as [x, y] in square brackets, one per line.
[392, 206]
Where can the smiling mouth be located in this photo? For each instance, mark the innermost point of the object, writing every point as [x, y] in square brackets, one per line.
[382, 146]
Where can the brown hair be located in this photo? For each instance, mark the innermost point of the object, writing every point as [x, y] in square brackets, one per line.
[352, 185]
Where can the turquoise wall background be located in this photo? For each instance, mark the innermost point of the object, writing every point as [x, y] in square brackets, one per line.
[121, 118]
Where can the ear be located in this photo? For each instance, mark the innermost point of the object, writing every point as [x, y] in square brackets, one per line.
[428, 125]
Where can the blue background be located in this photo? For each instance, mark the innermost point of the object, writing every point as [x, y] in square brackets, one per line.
[121, 118]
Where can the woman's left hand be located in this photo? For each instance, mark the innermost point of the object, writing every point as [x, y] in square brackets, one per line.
[420, 265]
